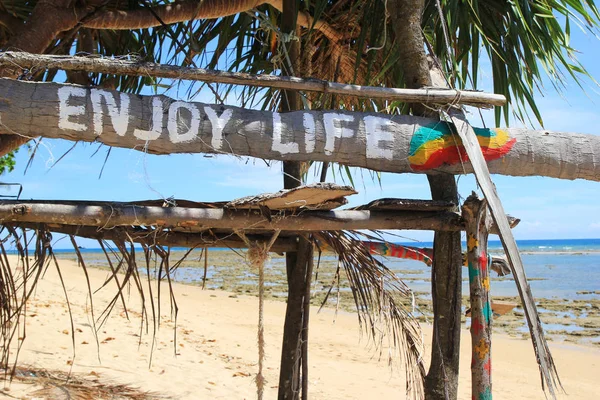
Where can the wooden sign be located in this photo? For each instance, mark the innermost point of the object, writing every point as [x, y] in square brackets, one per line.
[161, 125]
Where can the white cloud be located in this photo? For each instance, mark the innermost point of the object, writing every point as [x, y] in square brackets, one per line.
[595, 226]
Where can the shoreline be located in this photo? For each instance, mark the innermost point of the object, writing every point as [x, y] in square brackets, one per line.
[215, 353]
[575, 319]
[493, 250]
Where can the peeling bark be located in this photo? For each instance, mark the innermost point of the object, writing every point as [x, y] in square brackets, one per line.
[160, 125]
[201, 219]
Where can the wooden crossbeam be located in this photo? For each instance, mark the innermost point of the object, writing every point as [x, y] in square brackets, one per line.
[117, 214]
[198, 219]
[166, 238]
[138, 68]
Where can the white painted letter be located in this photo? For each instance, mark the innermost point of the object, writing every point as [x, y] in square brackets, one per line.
[277, 145]
[157, 119]
[310, 136]
[218, 123]
[333, 130]
[378, 130]
[175, 121]
[118, 117]
[65, 111]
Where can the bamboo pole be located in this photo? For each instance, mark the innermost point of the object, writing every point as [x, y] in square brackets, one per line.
[137, 68]
[478, 224]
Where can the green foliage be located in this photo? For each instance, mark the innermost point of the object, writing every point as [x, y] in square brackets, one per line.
[7, 163]
[520, 42]
[524, 40]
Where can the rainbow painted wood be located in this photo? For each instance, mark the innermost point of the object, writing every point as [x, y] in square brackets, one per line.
[479, 262]
[396, 250]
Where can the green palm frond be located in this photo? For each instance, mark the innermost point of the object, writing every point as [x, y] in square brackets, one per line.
[525, 42]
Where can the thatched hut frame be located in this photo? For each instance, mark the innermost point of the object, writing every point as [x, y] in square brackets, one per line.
[275, 221]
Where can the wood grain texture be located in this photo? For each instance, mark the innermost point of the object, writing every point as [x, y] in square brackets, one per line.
[317, 196]
[117, 214]
[166, 238]
[375, 141]
[389, 204]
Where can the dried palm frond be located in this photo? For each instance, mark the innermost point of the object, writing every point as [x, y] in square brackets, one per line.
[17, 283]
[18, 280]
[376, 291]
[57, 385]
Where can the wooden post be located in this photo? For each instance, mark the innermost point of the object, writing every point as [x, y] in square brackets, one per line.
[291, 381]
[478, 223]
[545, 361]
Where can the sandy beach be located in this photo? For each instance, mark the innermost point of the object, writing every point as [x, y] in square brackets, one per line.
[215, 354]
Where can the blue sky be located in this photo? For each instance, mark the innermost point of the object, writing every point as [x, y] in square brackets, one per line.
[549, 208]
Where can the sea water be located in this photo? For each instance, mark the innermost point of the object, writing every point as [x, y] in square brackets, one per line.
[561, 268]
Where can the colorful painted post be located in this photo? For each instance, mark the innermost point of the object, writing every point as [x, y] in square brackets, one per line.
[477, 222]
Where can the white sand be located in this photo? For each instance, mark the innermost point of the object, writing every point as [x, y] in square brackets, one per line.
[216, 351]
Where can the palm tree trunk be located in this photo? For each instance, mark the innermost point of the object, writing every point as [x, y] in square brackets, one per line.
[514, 152]
[446, 273]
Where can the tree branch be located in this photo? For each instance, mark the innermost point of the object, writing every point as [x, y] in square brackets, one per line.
[51, 17]
[123, 214]
[10, 22]
[178, 11]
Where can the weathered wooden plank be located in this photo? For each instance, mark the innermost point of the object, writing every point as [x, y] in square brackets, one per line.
[138, 68]
[547, 368]
[160, 125]
[171, 202]
[317, 196]
[389, 204]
